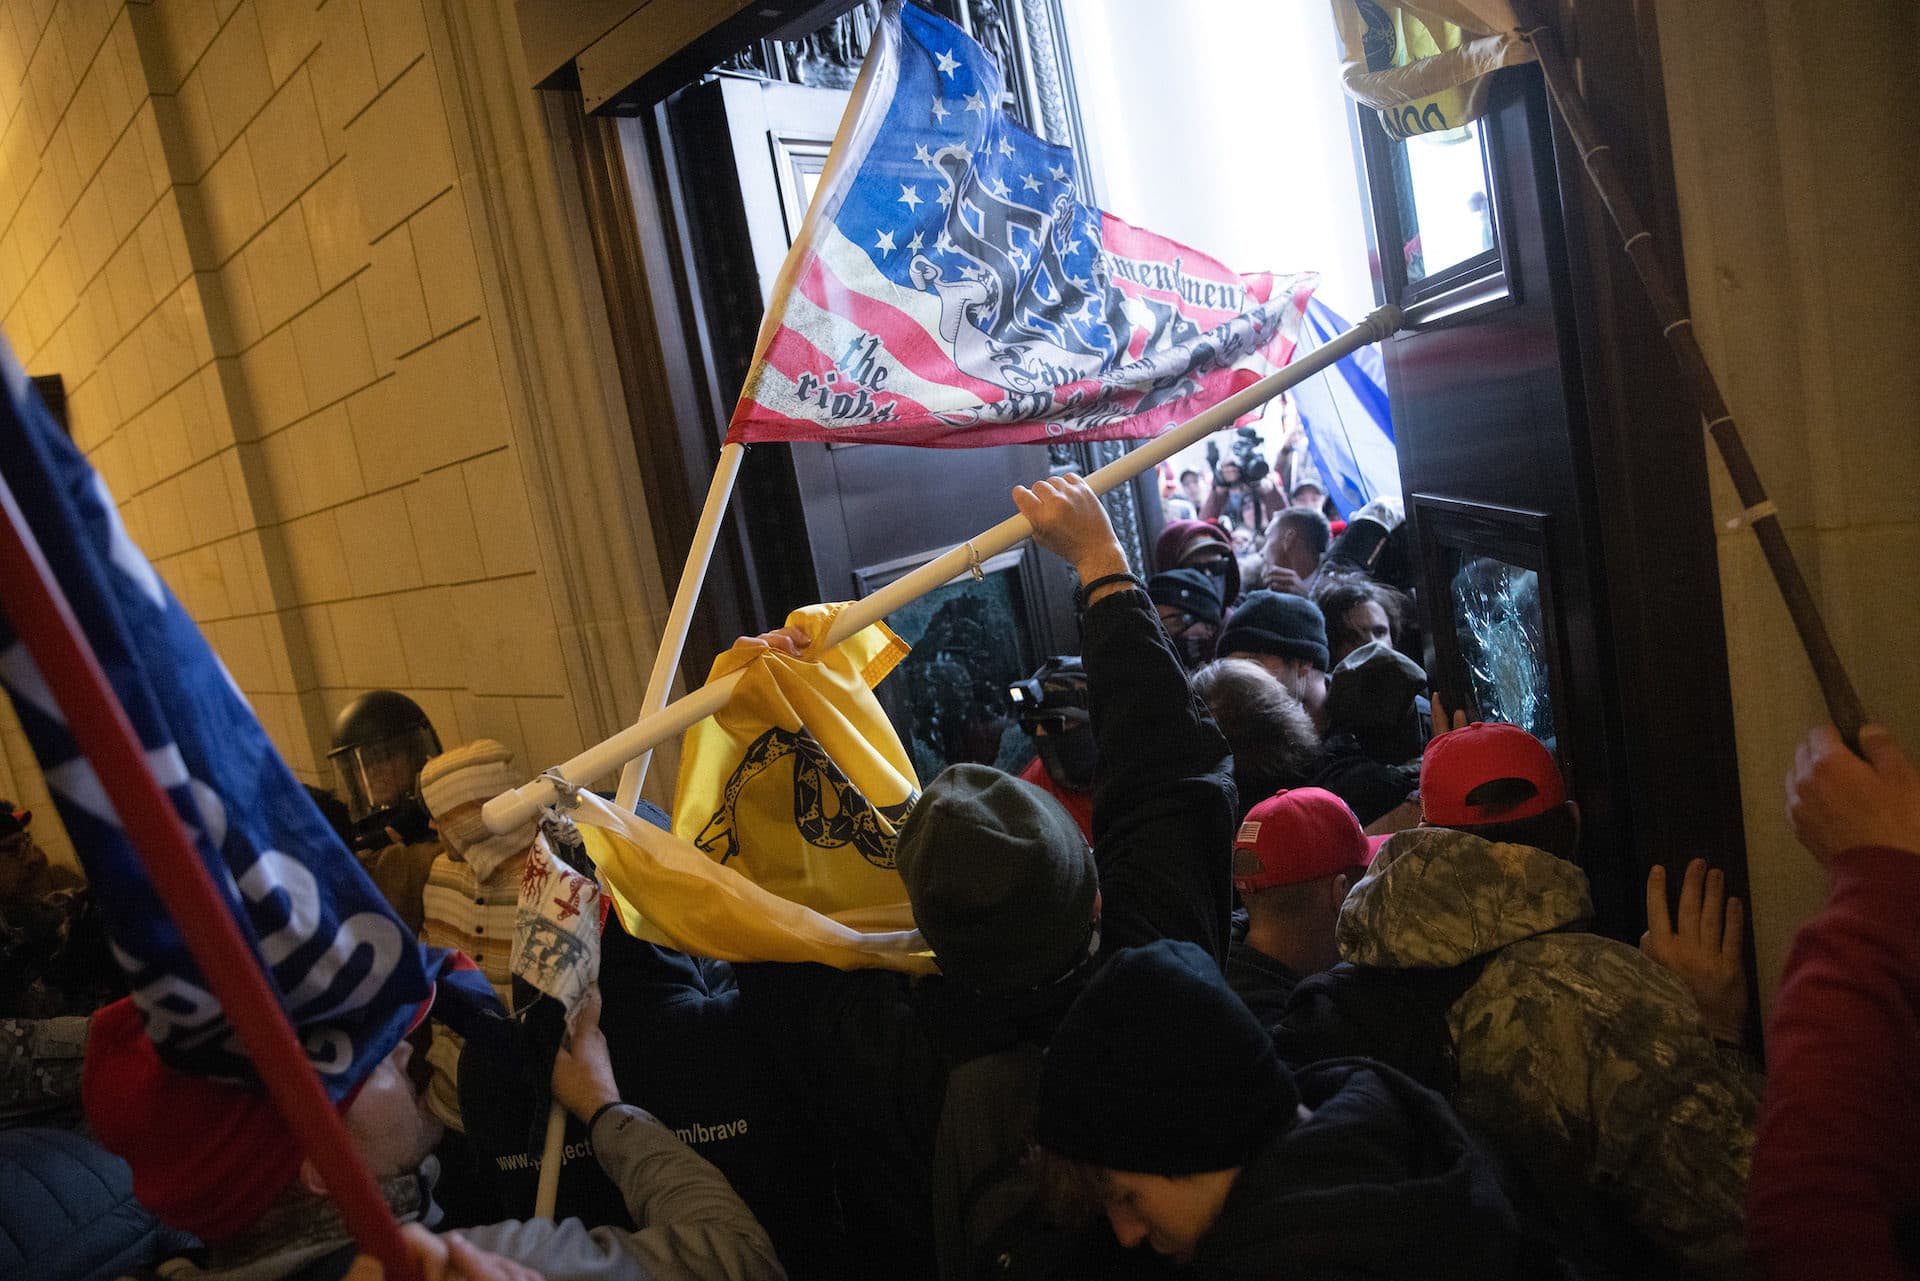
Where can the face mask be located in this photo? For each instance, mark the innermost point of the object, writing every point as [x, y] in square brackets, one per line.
[1195, 646]
[1069, 758]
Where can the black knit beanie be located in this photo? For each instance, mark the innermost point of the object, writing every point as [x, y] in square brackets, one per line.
[1000, 878]
[1158, 1068]
[1187, 589]
[1276, 623]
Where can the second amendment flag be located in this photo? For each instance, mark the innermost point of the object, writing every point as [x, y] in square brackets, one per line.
[950, 287]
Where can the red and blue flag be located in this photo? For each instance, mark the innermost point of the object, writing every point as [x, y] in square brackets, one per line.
[951, 287]
[349, 974]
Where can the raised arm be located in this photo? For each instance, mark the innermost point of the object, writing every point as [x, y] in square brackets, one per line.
[1163, 802]
[1833, 1165]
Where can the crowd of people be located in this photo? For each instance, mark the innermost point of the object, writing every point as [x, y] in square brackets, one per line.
[1268, 965]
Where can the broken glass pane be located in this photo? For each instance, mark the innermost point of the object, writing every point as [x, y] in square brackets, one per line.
[1502, 637]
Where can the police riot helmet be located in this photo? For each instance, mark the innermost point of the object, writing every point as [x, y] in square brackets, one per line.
[380, 741]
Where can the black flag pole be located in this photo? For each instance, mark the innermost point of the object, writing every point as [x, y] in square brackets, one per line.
[1843, 703]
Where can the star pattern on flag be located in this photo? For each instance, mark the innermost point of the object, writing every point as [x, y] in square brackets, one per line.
[984, 170]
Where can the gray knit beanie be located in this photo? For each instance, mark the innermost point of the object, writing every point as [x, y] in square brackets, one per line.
[1001, 880]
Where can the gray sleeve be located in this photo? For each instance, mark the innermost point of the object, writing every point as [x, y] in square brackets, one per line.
[692, 1223]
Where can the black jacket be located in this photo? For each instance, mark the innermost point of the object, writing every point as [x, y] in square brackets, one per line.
[1380, 1182]
[866, 1054]
[1261, 981]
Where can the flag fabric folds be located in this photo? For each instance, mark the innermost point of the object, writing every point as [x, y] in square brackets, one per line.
[785, 817]
[664, 887]
[1348, 422]
[349, 973]
[1424, 65]
[556, 929]
[800, 783]
[950, 287]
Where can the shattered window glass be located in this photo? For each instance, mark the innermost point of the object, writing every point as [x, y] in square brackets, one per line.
[948, 698]
[1503, 642]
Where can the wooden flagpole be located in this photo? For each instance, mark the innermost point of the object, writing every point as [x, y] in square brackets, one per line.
[510, 809]
[1843, 703]
[38, 610]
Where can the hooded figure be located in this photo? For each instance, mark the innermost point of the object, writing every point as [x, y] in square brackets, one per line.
[1198, 1141]
[1202, 545]
[1581, 1062]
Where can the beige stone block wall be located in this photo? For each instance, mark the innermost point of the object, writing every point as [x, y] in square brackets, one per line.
[237, 229]
[1796, 172]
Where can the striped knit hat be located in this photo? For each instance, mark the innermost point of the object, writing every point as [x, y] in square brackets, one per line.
[476, 771]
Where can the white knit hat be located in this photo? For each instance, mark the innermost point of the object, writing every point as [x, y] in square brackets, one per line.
[475, 771]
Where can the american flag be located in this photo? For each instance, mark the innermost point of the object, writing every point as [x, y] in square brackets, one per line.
[951, 287]
[349, 974]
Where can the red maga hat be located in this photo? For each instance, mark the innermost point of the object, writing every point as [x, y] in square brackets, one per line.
[1298, 835]
[1459, 764]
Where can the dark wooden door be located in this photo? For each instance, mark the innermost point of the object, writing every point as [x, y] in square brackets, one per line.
[832, 522]
[1519, 565]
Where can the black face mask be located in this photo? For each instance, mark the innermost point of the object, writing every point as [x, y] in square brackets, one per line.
[1216, 569]
[1195, 646]
[1069, 757]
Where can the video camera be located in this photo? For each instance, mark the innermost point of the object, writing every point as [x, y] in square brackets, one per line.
[1246, 456]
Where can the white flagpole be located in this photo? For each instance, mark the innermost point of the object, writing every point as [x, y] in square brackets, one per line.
[673, 639]
[510, 809]
[666, 661]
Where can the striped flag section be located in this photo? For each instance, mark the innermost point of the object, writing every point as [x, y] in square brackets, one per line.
[950, 287]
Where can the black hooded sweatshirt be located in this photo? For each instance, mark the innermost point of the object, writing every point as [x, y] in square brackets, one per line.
[1379, 1182]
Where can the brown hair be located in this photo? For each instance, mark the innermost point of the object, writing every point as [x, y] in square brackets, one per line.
[1072, 1193]
[1271, 735]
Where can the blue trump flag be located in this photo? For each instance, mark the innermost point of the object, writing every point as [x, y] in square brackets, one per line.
[1349, 426]
[349, 975]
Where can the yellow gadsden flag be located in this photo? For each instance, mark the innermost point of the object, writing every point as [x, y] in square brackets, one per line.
[784, 819]
[666, 890]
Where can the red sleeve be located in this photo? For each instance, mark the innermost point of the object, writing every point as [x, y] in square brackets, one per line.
[1834, 1164]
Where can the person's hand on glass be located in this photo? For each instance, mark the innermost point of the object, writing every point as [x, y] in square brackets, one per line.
[1443, 722]
[1702, 945]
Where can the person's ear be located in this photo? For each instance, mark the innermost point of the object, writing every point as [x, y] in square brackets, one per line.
[310, 1178]
[1341, 884]
[1573, 811]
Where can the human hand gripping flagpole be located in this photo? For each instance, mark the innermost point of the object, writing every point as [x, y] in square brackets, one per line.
[666, 661]
[510, 809]
[40, 614]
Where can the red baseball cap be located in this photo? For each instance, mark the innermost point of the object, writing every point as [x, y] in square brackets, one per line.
[1458, 764]
[1298, 835]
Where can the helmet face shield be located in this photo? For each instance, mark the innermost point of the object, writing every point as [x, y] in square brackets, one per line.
[383, 775]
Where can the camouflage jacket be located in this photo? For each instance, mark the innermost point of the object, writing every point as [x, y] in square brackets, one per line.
[1585, 1064]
